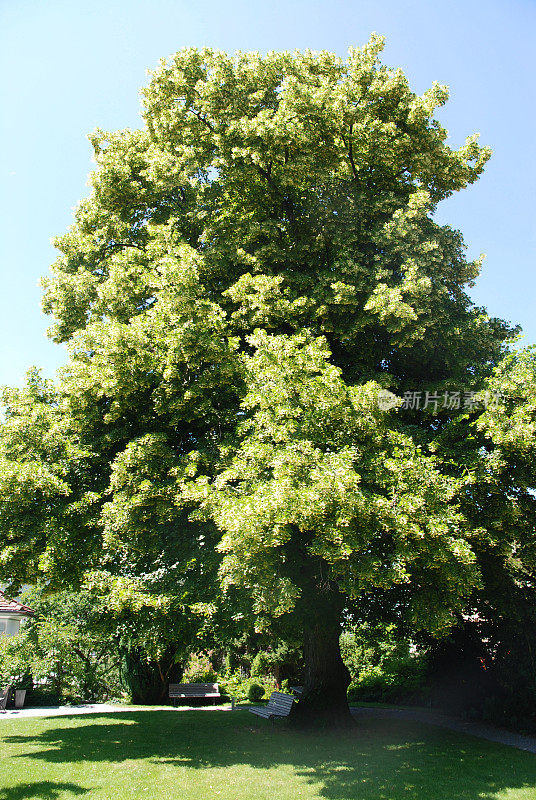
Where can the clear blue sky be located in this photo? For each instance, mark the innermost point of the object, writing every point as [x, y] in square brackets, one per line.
[68, 66]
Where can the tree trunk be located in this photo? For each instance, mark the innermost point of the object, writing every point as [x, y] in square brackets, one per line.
[323, 702]
[277, 676]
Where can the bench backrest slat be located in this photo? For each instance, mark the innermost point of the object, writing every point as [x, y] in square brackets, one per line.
[193, 688]
[280, 702]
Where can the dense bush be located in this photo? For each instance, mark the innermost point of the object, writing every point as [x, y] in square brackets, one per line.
[256, 692]
[282, 661]
[509, 709]
[237, 686]
[401, 680]
[383, 666]
[145, 680]
[485, 668]
[44, 696]
[199, 669]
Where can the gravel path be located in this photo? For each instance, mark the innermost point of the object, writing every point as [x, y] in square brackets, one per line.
[94, 708]
[489, 732]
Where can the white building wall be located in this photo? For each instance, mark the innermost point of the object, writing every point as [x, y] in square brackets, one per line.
[9, 625]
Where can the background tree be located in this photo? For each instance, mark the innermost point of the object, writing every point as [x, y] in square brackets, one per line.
[62, 651]
[293, 194]
[500, 619]
[53, 515]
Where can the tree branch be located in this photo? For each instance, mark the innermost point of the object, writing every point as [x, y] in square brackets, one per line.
[351, 151]
[201, 118]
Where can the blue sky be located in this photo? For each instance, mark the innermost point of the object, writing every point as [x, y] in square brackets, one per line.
[68, 67]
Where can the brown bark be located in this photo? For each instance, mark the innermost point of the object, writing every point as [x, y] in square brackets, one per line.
[324, 701]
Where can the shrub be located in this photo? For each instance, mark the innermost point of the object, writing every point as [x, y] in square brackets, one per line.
[283, 658]
[199, 669]
[43, 696]
[255, 692]
[383, 666]
[235, 685]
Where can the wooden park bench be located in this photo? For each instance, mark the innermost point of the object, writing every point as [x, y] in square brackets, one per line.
[279, 705]
[181, 691]
[4, 697]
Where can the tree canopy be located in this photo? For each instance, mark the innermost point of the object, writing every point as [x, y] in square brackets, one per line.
[252, 270]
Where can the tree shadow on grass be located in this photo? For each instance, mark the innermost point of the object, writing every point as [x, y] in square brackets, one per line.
[379, 760]
[44, 790]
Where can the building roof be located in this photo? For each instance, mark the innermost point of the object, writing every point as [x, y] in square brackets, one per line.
[13, 607]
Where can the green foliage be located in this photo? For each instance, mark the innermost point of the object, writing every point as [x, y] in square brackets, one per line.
[46, 487]
[199, 669]
[255, 692]
[318, 462]
[250, 270]
[284, 658]
[61, 650]
[236, 685]
[495, 448]
[402, 680]
[384, 667]
[145, 680]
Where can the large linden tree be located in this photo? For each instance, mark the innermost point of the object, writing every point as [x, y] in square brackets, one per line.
[255, 269]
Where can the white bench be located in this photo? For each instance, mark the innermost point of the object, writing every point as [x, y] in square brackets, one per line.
[279, 705]
[179, 691]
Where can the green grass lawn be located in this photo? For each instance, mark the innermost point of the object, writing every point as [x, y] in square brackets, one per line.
[201, 755]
